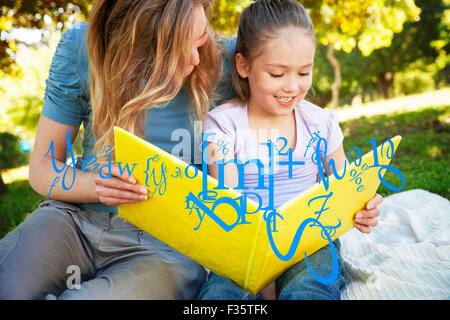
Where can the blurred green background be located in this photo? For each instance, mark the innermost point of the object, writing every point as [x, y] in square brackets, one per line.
[383, 65]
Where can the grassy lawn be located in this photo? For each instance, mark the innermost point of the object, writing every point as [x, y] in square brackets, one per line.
[423, 154]
[422, 157]
[18, 201]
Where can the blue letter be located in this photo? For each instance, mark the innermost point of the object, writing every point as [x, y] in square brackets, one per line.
[69, 151]
[384, 166]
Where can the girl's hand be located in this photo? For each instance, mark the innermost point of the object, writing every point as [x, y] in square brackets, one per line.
[366, 218]
[118, 189]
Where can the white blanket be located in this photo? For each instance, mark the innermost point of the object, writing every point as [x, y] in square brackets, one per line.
[407, 256]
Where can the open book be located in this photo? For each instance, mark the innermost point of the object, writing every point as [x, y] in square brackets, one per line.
[244, 247]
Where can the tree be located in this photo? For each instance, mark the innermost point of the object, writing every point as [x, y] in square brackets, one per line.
[39, 14]
[415, 43]
[366, 24]
[225, 17]
[420, 46]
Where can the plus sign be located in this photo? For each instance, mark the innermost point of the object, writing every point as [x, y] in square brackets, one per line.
[290, 163]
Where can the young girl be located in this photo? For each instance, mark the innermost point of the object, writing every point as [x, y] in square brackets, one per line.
[273, 72]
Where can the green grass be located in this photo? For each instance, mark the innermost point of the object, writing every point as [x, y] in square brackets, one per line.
[423, 154]
[18, 201]
[422, 157]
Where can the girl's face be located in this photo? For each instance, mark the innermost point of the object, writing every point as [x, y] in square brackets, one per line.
[281, 75]
[200, 36]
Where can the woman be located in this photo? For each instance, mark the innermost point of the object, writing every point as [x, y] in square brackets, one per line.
[153, 65]
[141, 54]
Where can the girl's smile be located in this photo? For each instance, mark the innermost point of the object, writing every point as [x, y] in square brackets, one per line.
[285, 101]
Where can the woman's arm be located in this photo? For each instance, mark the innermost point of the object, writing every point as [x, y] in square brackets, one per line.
[65, 107]
[87, 186]
[42, 173]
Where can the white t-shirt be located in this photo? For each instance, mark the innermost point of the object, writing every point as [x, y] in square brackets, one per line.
[230, 124]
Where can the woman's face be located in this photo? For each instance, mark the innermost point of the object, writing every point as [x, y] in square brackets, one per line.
[200, 37]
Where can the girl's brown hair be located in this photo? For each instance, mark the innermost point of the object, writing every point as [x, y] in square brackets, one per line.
[139, 52]
[261, 22]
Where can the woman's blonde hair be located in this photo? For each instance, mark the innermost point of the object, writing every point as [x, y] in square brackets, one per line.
[139, 51]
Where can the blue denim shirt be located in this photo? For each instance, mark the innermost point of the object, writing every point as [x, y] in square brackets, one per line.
[67, 99]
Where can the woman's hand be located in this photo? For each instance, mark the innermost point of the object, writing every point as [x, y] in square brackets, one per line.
[118, 189]
[367, 218]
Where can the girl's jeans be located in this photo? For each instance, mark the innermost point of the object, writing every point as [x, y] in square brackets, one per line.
[296, 283]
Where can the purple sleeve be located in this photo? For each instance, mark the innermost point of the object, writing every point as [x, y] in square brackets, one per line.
[334, 133]
[221, 126]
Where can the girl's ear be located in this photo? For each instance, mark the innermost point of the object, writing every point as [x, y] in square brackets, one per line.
[241, 66]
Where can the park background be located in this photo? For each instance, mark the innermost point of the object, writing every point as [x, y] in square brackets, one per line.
[382, 65]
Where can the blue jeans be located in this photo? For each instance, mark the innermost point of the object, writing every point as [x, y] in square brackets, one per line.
[296, 283]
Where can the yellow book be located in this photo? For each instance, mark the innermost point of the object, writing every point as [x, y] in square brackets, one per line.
[232, 245]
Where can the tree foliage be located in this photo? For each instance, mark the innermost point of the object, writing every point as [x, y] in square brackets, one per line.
[422, 46]
[40, 14]
[363, 24]
[366, 24]
[225, 17]
[10, 154]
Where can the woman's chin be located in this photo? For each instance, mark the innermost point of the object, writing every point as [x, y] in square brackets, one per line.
[189, 71]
